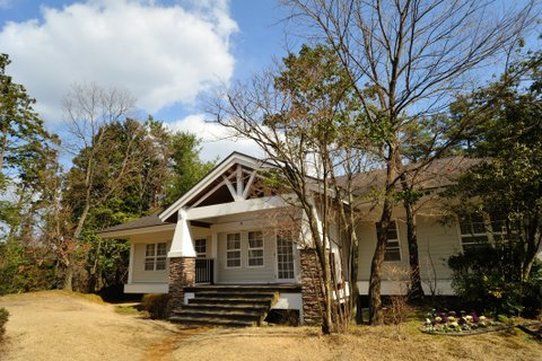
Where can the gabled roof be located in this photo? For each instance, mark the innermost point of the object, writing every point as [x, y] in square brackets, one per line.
[143, 222]
[233, 159]
[439, 173]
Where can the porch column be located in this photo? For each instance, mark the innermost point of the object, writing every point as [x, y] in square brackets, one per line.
[131, 264]
[182, 262]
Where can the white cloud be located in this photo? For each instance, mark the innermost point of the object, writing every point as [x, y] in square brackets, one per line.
[162, 54]
[217, 140]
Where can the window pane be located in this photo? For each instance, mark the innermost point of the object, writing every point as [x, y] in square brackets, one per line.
[201, 247]
[255, 262]
[392, 255]
[393, 250]
[161, 249]
[255, 243]
[161, 263]
[149, 250]
[255, 253]
[149, 264]
[233, 241]
[234, 262]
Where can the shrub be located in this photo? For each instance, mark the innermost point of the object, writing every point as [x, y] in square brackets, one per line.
[4, 314]
[489, 278]
[156, 305]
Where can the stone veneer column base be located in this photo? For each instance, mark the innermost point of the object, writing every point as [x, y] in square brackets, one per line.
[311, 292]
[182, 273]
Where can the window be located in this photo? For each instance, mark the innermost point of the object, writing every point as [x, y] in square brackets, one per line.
[477, 230]
[233, 250]
[473, 230]
[285, 257]
[255, 249]
[393, 248]
[155, 256]
[201, 247]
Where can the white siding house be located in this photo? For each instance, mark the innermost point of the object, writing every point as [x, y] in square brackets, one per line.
[236, 231]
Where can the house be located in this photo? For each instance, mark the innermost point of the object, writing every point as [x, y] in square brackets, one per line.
[226, 251]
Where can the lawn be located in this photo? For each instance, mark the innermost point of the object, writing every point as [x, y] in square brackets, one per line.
[63, 326]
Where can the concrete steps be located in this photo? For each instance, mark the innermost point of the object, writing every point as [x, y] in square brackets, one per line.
[236, 306]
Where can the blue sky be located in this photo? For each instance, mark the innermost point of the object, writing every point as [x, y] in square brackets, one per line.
[167, 53]
[47, 60]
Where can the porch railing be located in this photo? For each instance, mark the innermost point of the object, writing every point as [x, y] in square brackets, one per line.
[204, 270]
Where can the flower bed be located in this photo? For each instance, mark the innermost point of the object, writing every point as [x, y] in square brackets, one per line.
[459, 323]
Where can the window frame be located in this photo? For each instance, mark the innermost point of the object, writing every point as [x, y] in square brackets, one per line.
[279, 235]
[397, 239]
[154, 258]
[200, 254]
[489, 233]
[249, 248]
[232, 250]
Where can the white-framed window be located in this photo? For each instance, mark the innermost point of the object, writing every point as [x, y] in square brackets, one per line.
[393, 246]
[233, 250]
[478, 229]
[255, 249]
[200, 246]
[155, 256]
[473, 230]
[285, 256]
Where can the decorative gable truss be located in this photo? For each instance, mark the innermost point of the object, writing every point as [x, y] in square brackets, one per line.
[239, 183]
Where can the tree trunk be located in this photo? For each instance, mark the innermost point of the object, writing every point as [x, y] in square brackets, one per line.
[68, 278]
[375, 302]
[416, 291]
[375, 279]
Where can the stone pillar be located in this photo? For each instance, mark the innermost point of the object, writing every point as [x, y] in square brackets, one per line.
[311, 292]
[182, 273]
[182, 262]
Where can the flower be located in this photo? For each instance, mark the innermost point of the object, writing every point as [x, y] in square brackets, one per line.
[438, 319]
[468, 318]
[451, 319]
[482, 318]
[427, 321]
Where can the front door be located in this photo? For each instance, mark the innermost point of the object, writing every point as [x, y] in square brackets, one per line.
[285, 258]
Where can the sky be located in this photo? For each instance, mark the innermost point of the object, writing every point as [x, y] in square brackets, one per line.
[169, 54]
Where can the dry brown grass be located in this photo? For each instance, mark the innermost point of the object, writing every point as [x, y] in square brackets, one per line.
[59, 325]
[388, 343]
[63, 326]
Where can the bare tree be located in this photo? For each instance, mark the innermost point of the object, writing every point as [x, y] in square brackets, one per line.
[300, 118]
[89, 108]
[406, 59]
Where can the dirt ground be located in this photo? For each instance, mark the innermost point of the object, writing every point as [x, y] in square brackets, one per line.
[61, 326]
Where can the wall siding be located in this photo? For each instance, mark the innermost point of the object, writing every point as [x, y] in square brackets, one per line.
[139, 274]
[245, 274]
[436, 242]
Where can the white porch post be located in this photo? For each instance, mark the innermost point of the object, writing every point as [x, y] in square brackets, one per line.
[214, 254]
[182, 244]
[131, 264]
[182, 262]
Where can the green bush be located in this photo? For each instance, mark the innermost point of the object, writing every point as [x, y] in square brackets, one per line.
[4, 314]
[488, 278]
[156, 305]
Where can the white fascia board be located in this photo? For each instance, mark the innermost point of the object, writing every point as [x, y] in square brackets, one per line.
[136, 231]
[249, 205]
[214, 174]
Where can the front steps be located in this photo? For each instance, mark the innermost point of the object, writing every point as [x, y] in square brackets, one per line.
[228, 305]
